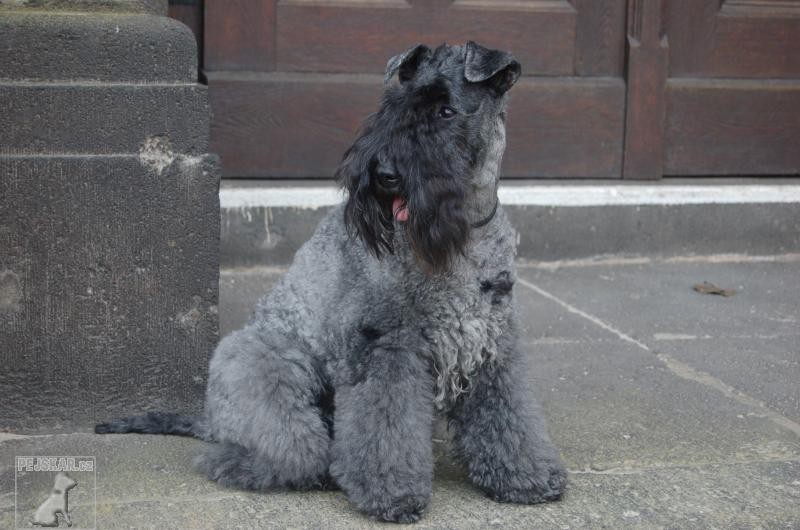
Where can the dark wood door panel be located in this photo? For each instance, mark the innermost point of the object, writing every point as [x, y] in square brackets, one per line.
[734, 38]
[600, 37]
[347, 37]
[582, 37]
[291, 80]
[565, 128]
[713, 88]
[239, 35]
[556, 127]
[287, 125]
[740, 127]
[710, 86]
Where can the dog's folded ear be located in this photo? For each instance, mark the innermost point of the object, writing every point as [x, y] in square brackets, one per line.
[497, 68]
[366, 215]
[406, 63]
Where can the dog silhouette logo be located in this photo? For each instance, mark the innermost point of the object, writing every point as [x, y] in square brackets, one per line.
[56, 503]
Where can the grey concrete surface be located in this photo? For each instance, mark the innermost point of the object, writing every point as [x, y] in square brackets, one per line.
[257, 237]
[750, 340]
[548, 233]
[672, 409]
[239, 290]
[268, 236]
[148, 482]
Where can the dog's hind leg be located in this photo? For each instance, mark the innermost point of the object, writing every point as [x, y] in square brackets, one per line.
[382, 452]
[262, 406]
[501, 437]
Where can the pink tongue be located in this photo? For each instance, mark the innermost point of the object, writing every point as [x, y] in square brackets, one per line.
[400, 210]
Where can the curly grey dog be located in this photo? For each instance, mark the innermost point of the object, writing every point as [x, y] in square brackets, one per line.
[398, 308]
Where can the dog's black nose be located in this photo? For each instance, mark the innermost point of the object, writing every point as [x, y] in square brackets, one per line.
[385, 170]
[387, 176]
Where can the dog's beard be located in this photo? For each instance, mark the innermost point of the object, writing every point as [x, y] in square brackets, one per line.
[429, 207]
[438, 227]
[428, 201]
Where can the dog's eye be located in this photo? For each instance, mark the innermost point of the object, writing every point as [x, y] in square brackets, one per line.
[447, 112]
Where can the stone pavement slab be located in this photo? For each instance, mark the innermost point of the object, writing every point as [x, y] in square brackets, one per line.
[672, 410]
[148, 482]
[654, 299]
[610, 406]
[750, 340]
[766, 368]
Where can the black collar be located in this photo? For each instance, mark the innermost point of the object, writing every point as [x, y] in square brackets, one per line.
[486, 221]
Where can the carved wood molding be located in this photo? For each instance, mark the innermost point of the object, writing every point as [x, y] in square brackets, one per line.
[646, 21]
[517, 5]
[346, 3]
[647, 73]
[635, 13]
[761, 8]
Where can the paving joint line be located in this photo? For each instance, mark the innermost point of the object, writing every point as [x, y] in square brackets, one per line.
[640, 470]
[617, 260]
[678, 368]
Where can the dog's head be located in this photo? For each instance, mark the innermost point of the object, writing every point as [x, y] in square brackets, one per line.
[419, 158]
[63, 482]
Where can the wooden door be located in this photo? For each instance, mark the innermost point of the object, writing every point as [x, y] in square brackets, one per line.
[714, 88]
[291, 80]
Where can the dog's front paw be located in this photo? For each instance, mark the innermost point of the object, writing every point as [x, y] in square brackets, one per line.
[406, 509]
[393, 504]
[546, 486]
[557, 481]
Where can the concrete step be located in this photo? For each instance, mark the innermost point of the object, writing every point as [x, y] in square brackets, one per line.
[263, 223]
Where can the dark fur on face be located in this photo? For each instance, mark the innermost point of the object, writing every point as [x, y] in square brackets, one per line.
[422, 146]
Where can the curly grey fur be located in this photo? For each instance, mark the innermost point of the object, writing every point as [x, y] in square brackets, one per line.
[340, 372]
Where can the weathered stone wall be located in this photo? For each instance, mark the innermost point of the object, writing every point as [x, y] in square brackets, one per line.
[109, 215]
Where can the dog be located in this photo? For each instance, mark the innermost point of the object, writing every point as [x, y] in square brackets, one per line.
[399, 308]
[57, 503]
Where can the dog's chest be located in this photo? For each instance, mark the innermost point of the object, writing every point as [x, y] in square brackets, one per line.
[460, 323]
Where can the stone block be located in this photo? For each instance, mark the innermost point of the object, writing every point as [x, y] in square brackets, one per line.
[109, 216]
[108, 286]
[103, 47]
